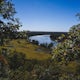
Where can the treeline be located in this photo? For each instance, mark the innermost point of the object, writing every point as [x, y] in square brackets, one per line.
[55, 35]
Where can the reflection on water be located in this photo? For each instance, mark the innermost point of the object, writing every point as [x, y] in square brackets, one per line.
[42, 39]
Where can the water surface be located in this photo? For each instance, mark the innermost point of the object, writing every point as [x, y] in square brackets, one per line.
[42, 39]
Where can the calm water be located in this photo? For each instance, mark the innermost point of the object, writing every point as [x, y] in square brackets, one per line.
[42, 39]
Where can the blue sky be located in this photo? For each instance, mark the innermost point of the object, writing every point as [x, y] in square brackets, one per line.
[47, 15]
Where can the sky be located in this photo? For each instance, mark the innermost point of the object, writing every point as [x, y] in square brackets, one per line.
[47, 15]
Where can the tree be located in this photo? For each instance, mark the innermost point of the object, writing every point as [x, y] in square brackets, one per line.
[69, 49]
[8, 23]
[22, 35]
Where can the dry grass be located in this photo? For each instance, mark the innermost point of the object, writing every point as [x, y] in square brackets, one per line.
[28, 49]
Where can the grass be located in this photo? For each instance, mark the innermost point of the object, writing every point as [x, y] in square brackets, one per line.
[29, 49]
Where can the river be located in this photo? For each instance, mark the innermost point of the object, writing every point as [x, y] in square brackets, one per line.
[43, 39]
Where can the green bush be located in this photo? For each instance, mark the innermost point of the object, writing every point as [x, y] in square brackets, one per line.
[69, 49]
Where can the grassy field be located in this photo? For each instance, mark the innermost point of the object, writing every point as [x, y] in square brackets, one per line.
[30, 50]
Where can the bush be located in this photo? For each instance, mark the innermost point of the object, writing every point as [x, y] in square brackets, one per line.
[16, 60]
[69, 49]
[35, 42]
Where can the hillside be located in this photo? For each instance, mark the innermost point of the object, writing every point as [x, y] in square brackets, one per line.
[32, 51]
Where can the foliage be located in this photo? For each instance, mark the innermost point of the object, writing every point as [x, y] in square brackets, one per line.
[22, 35]
[69, 49]
[35, 42]
[8, 23]
[65, 64]
[49, 46]
[46, 70]
[22, 68]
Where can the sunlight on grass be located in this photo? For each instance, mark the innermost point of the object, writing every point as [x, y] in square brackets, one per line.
[29, 49]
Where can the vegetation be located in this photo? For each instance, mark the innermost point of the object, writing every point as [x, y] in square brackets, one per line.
[8, 23]
[45, 45]
[48, 46]
[30, 50]
[21, 60]
[69, 48]
[25, 63]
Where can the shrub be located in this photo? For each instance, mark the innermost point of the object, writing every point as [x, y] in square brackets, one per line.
[69, 49]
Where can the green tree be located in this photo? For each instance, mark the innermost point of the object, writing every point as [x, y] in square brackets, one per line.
[8, 23]
[69, 49]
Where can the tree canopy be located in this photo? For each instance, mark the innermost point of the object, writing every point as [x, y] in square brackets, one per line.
[8, 23]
